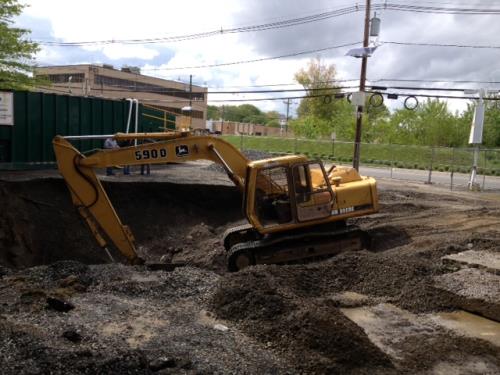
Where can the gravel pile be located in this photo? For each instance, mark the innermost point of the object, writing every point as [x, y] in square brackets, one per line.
[127, 320]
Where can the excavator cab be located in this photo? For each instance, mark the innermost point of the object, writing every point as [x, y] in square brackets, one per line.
[287, 191]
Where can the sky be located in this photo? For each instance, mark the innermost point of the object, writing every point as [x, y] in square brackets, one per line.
[92, 20]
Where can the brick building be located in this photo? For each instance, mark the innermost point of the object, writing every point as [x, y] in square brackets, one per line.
[241, 128]
[104, 81]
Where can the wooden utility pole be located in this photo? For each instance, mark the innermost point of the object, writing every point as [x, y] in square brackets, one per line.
[362, 80]
[287, 114]
[191, 101]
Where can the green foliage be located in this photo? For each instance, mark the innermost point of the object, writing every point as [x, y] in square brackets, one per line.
[213, 112]
[430, 124]
[319, 81]
[491, 131]
[310, 127]
[320, 114]
[246, 113]
[16, 52]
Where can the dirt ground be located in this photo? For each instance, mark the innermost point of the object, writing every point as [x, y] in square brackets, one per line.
[65, 309]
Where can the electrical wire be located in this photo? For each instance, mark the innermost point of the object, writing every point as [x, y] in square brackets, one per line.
[177, 38]
[284, 23]
[442, 45]
[293, 54]
[429, 80]
[307, 52]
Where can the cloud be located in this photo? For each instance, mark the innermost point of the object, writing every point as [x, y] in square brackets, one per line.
[113, 19]
[42, 29]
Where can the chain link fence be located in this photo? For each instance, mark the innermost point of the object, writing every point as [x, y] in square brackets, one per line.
[438, 165]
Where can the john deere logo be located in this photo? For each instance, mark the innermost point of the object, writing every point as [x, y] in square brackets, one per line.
[181, 150]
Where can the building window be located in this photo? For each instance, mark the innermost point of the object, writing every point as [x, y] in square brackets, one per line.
[120, 84]
[65, 78]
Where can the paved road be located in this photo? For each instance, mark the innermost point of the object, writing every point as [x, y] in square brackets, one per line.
[460, 180]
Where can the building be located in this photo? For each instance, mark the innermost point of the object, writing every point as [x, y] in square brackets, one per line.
[240, 128]
[105, 81]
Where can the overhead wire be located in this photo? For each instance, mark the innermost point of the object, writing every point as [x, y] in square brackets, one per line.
[318, 50]
[283, 23]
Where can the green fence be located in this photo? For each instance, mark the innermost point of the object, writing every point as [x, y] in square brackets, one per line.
[38, 117]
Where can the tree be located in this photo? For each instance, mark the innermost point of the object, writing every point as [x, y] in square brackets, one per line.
[213, 112]
[319, 82]
[16, 52]
[310, 127]
[240, 113]
[431, 124]
[273, 119]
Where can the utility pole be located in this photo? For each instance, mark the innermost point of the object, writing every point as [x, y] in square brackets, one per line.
[287, 114]
[362, 81]
[191, 101]
[222, 121]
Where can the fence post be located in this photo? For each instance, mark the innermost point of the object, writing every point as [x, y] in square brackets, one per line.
[452, 167]
[429, 179]
[484, 169]
[392, 158]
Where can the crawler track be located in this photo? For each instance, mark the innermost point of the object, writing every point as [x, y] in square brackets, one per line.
[296, 248]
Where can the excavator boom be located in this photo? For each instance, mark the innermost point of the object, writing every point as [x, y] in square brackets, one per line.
[89, 196]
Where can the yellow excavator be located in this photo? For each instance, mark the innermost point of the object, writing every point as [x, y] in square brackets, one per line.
[296, 210]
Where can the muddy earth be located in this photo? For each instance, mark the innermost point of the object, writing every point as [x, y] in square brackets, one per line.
[425, 299]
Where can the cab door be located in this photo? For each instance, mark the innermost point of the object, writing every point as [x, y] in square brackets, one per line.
[312, 191]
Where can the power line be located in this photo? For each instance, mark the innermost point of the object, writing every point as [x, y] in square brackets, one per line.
[440, 96]
[293, 54]
[284, 84]
[337, 95]
[443, 45]
[299, 53]
[430, 80]
[177, 38]
[283, 24]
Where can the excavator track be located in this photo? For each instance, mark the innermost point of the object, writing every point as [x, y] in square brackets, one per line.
[296, 248]
[238, 234]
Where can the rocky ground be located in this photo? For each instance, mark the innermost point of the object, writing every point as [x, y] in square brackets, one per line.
[424, 299]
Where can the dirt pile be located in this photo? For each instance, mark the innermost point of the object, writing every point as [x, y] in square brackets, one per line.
[126, 320]
[310, 331]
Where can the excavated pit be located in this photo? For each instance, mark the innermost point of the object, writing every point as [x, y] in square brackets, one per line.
[266, 319]
[39, 225]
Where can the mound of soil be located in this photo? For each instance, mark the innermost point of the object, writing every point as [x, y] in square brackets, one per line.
[311, 332]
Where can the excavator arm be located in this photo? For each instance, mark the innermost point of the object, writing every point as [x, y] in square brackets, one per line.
[89, 196]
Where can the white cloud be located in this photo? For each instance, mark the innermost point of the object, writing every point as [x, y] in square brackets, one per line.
[116, 52]
[123, 19]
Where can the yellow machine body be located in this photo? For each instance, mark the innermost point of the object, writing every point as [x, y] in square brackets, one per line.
[280, 194]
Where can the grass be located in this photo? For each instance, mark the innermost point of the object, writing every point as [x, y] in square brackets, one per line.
[399, 156]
